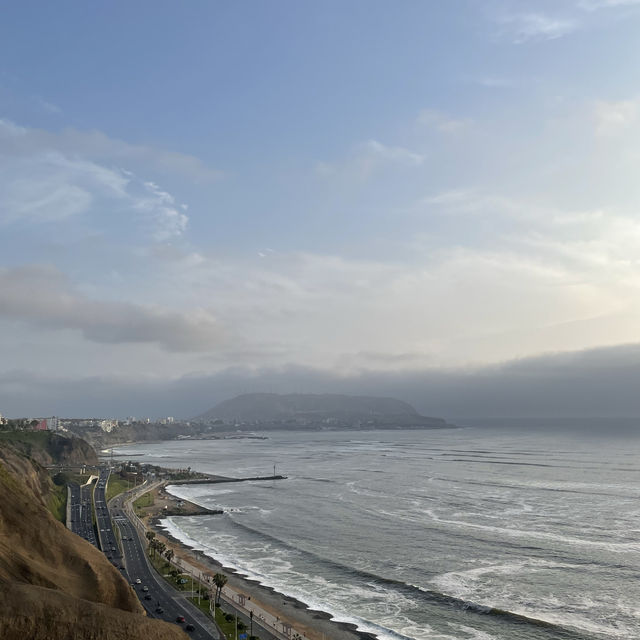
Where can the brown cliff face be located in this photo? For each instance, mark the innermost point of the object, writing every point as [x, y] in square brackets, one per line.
[47, 448]
[34, 613]
[53, 584]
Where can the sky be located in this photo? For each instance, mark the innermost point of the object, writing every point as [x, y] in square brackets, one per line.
[433, 200]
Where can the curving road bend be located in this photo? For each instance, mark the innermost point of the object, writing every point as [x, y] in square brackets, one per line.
[159, 599]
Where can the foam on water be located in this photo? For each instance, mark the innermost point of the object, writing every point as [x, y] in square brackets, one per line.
[285, 585]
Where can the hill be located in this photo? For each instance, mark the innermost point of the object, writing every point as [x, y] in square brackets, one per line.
[309, 410]
[53, 584]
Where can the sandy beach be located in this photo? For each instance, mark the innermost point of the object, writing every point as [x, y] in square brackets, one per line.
[288, 616]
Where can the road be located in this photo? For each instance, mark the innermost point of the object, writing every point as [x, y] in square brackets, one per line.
[159, 595]
[81, 511]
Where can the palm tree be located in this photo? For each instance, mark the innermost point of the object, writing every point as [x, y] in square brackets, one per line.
[219, 579]
[150, 535]
[168, 554]
[156, 545]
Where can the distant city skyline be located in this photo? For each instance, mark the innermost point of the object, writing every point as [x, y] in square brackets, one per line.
[370, 197]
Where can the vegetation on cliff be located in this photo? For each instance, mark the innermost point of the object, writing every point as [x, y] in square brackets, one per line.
[49, 448]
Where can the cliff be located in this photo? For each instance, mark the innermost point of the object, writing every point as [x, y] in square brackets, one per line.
[52, 583]
[49, 448]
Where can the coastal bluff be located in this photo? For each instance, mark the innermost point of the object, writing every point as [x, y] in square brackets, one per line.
[53, 584]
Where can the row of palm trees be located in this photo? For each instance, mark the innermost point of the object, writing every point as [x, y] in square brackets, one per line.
[159, 547]
[219, 579]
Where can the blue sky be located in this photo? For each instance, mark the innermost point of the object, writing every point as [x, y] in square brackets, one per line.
[351, 188]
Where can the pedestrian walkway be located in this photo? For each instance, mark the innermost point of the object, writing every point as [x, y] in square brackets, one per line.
[279, 628]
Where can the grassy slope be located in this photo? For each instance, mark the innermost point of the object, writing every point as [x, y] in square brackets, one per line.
[145, 500]
[57, 502]
[116, 486]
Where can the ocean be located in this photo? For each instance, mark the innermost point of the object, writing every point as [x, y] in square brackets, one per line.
[449, 534]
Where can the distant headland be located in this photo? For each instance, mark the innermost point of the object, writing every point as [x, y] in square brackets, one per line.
[312, 411]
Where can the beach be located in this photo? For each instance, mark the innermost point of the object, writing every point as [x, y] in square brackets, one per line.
[280, 614]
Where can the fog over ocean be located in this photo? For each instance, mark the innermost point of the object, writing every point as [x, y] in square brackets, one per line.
[454, 534]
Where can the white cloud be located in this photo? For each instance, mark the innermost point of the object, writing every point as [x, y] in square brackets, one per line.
[455, 305]
[378, 151]
[594, 5]
[368, 158]
[441, 122]
[528, 27]
[100, 147]
[40, 182]
[615, 117]
[492, 82]
[48, 107]
[169, 221]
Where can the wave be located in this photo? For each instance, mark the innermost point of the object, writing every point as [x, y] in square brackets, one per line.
[423, 594]
[615, 547]
[538, 487]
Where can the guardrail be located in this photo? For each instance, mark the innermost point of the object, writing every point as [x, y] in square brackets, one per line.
[95, 513]
[68, 523]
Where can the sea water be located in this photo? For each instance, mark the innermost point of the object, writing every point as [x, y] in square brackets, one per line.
[446, 534]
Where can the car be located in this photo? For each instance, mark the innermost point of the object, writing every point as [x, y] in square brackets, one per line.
[138, 581]
[190, 627]
[159, 610]
[147, 596]
[180, 619]
[145, 588]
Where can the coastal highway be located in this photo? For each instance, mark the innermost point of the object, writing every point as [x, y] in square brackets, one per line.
[81, 510]
[106, 534]
[160, 595]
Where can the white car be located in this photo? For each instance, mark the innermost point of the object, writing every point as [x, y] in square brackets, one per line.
[138, 581]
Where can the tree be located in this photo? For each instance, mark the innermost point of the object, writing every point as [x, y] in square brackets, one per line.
[219, 579]
[150, 535]
[156, 545]
[168, 554]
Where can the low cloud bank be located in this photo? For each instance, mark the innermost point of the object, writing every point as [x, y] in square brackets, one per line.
[598, 382]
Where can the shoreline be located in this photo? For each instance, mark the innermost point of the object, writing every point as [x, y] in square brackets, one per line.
[310, 623]
[315, 623]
